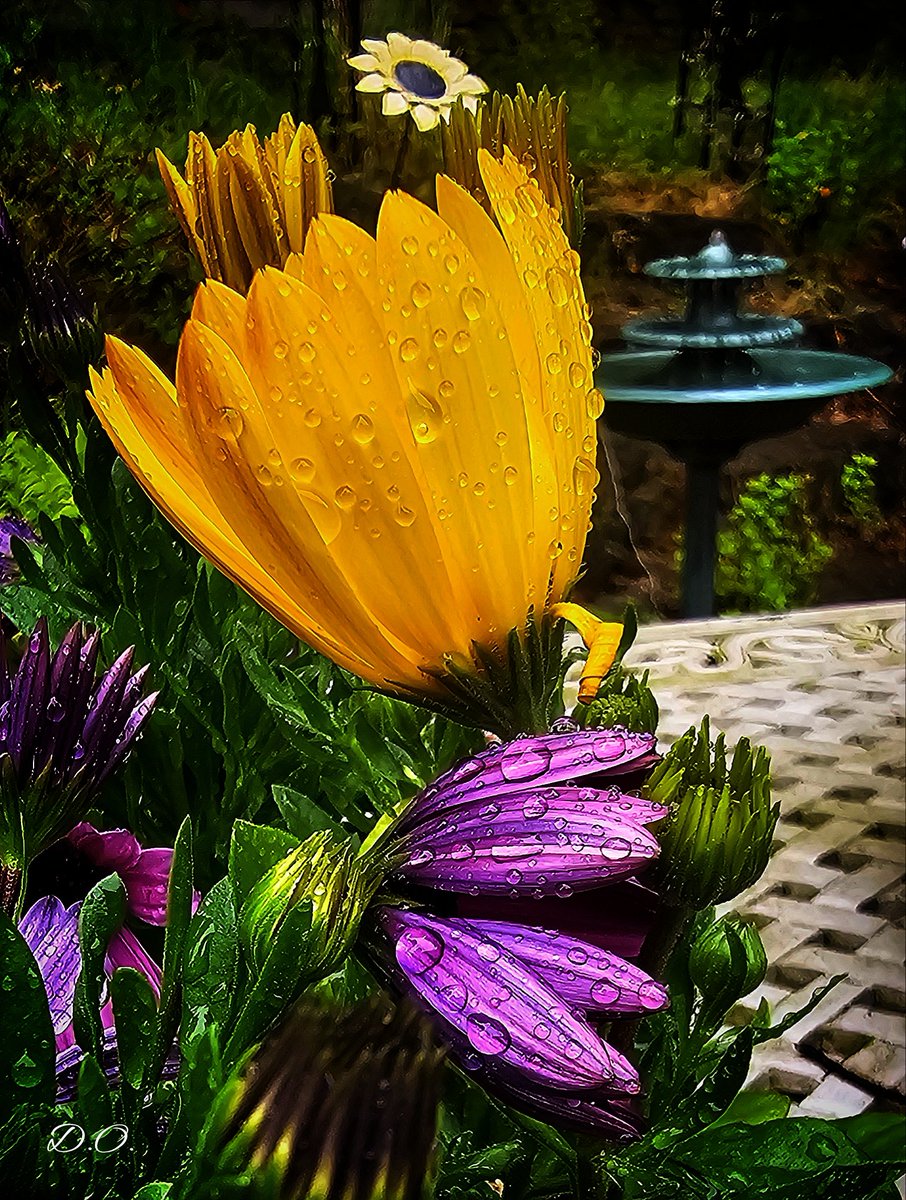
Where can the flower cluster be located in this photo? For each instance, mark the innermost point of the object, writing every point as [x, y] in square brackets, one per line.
[537, 817]
[63, 732]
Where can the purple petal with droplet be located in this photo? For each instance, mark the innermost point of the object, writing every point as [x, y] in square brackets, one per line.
[581, 973]
[608, 1116]
[52, 934]
[531, 763]
[495, 1009]
[110, 850]
[526, 843]
[146, 883]
[617, 918]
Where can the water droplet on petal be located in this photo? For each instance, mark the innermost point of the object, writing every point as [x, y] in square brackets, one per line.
[524, 761]
[418, 950]
[408, 349]
[616, 848]
[487, 1034]
[534, 807]
[473, 302]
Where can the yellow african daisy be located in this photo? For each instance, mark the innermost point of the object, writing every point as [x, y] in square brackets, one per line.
[418, 77]
[249, 204]
[390, 444]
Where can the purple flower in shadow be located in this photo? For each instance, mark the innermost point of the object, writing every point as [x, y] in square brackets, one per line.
[50, 927]
[514, 833]
[12, 527]
[63, 732]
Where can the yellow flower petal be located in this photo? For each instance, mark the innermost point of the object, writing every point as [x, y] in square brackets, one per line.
[602, 638]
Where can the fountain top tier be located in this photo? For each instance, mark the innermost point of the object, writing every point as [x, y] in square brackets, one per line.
[712, 320]
[716, 261]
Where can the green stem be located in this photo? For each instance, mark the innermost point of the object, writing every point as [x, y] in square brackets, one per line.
[655, 955]
[397, 173]
[12, 888]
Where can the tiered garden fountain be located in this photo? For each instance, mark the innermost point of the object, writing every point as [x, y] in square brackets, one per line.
[705, 384]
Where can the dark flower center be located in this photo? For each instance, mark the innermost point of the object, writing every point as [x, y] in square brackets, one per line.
[420, 79]
[64, 872]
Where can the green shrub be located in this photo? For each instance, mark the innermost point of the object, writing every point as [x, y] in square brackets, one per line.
[770, 556]
[859, 491]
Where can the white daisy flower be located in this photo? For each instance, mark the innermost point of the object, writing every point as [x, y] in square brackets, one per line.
[418, 77]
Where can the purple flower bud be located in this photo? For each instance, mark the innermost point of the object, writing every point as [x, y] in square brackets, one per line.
[496, 1009]
[61, 732]
[508, 823]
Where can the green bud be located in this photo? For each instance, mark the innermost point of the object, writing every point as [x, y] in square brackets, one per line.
[323, 874]
[717, 840]
[337, 1104]
[622, 699]
[726, 962]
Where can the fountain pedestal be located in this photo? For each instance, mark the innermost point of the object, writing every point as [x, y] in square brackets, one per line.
[717, 380]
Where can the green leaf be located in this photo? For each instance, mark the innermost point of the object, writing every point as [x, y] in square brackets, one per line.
[100, 916]
[254, 850]
[179, 914]
[135, 1014]
[28, 1052]
[281, 981]
[768, 1032]
[879, 1137]
[153, 1191]
[713, 1095]
[751, 1108]
[777, 1159]
[302, 815]
[209, 973]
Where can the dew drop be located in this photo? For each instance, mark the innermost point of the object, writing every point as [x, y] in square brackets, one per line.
[510, 475]
[418, 950]
[604, 992]
[583, 477]
[408, 349]
[522, 761]
[488, 951]
[362, 429]
[473, 302]
[302, 470]
[534, 808]
[652, 994]
[461, 342]
[616, 848]
[452, 264]
[345, 497]
[577, 374]
[404, 516]
[487, 1034]
[557, 286]
[455, 996]
[420, 293]
[230, 421]
[425, 416]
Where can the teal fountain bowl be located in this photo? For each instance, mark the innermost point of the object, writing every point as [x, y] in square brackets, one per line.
[707, 383]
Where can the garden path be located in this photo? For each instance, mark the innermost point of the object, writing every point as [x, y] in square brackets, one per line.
[825, 691]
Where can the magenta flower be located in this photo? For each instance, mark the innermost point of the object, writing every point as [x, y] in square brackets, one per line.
[524, 825]
[50, 927]
[63, 733]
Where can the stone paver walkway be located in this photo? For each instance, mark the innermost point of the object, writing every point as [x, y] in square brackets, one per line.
[825, 690]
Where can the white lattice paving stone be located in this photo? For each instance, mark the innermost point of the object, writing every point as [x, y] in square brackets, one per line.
[825, 691]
